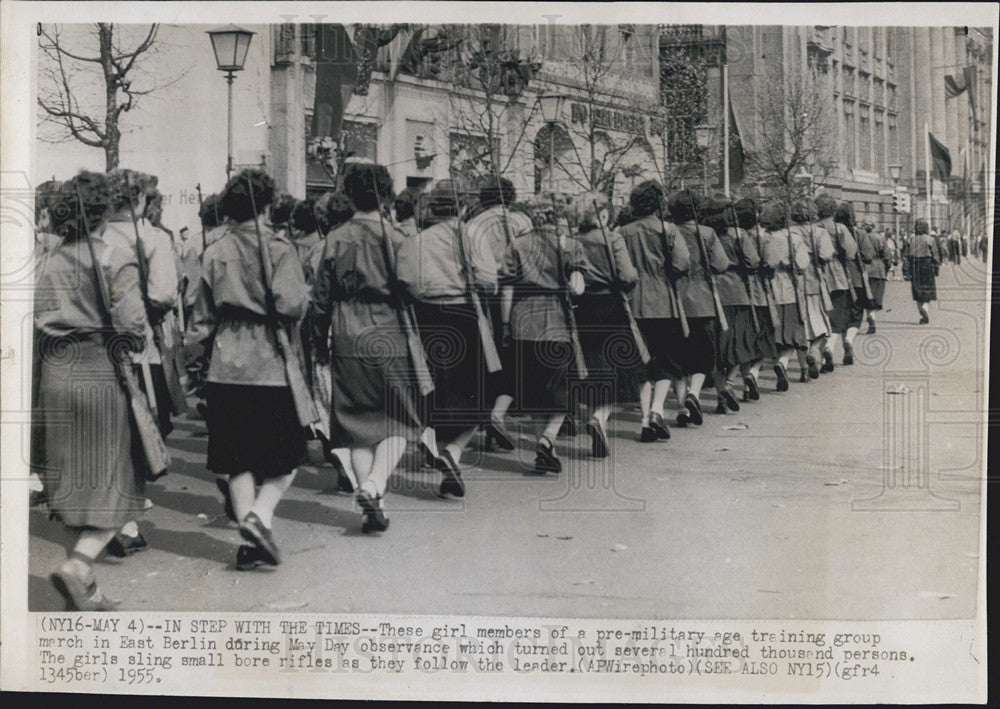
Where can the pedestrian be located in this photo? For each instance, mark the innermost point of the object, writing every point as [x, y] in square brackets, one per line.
[611, 353]
[786, 254]
[497, 225]
[837, 275]
[984, 246]
[876, 271]
[543, 270]
[93, 314]
[444, 269]
[735, 345]
[925, 259]
[762, 298]
[360, 329]
[404, 207]
[892, 255]
[708, 260]
[865, 252]
[255, 439]
[661, 258]
[955, 247]
[816, 315]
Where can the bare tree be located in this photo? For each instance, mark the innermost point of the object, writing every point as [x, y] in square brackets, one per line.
[78, 72]
[795, 133]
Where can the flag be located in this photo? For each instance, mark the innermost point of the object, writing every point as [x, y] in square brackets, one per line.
[736, 152]
[940, 158]
[970, 84]
[951, 86]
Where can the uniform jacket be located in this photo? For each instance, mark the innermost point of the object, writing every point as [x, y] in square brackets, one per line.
[430, 264]
[597, 272]
[488, 226]
[745, 262]
[820, 247]
[698, 302]
[652, 297]
[845, 250]
[352, 302]
[531, 266]
[776, 255]
[305, 247]
[925, 247]
[230, 314]
[876, 269]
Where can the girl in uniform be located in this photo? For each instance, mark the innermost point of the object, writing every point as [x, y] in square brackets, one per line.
[761, 293]
[925, 259]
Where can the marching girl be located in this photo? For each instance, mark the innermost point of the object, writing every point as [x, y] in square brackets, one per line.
[820, 248]
[925, 260]
[864, 251]
[93, 467]
[877, 269]
[837, 276]
[254, 435]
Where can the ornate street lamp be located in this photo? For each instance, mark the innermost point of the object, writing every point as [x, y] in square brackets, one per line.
[895, 171]
[551, 106]
[230, 45]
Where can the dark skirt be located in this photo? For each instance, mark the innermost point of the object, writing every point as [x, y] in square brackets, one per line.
[373, 399]
[91, 461]
[253, 429]
[736, 342]
[615, 369]
[665, 341]
[878, 292]
[543, 387]
[697, 353]
[840, 315]
[764, 345]
[790, 333]
[856, 308]
[502, 383]
[923, 283]
[450, 334]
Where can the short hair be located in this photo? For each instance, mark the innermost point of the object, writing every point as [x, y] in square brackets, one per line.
[249, 188]
[209, 212]
[585, 207]
[405, 204]
[646, 198]
[826, 206]
[282, 208]
[90, 188]
[624, 216]
[683, 205]
[334, 209]
[128, 185]
[496, 191]
[304, 216]
[367, 185]
[773, 216]
[845, 215]
[746, 212]
[920, 226]
[442, 199]
[154, 207]
[803, 210]
[715, 213]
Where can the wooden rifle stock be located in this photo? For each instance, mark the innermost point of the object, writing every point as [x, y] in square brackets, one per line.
[154, 449]
[826, 302]
[706, 263]
[678, 304]
[564, 299]
[744, 276]
[305, 407]
[640, 341]
[765, 282]
[864, 273]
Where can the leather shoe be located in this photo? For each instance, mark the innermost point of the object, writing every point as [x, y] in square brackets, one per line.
[80, 589]
[122, 545]
[811, 366]
[253, 530]
[657, 423]
[848, 354]
[693, 408]
[750, 388]
[497, 432]
[728, 400]
[647, 435]
[827, 362]
[452, 484]
[546, 460]
[598, 439]
[248, 557]
[782, 375]
[373, 517]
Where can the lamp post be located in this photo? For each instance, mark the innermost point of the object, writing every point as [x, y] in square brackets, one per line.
[551, 106]
[806, 177]
[230, 45]
[894, 172]
[703, 136]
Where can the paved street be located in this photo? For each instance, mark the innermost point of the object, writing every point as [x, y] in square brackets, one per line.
[758, 514]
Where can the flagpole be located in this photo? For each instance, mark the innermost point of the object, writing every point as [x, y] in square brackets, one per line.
[927, 173]
[725, 129]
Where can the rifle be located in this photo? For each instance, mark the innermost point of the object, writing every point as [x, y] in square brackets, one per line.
[171, 360]
[678, 304]
[407, 319]
[305, 407]
[154, 449]
[861, 266]
[640, 341]
[799, 306]
[842, 257]
[744, 276]
[824, 293]
[490, 353]
[709, 276]
[766, 283]
[564, 299]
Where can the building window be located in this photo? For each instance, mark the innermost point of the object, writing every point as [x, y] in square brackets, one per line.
[865, 135]
[284, 41]
[893, 146]
[849, 88]
[850, 133]
[879, 141]
[360, 140]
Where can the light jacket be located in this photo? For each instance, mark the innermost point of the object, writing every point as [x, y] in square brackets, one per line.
[644, 239]
[776, 255]
[430, 264]
[697, 294]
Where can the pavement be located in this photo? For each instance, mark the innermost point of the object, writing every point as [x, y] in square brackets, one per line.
[854, 496]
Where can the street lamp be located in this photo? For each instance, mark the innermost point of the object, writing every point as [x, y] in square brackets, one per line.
[806, 177]
[230, 45]
[895, 171]
[551, 106]
[703, 136]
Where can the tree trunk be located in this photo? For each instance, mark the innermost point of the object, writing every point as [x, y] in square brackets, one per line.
[112, 134]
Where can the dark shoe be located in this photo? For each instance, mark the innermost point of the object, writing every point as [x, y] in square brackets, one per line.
[827, 362]
[497, 432]
[693, 409]
[811, 365]
[750, 389]
[373, 517]
[81, 593]
[683, 418]
[248, 558]
[202, 408]
[726, 397]
[647, 435]
[253, 530]
[871, 327]
[720, 408]
[223, 485]
[452, 484]
[122, 545]
[658, 425]
[779, 371]
[545, 458]
[803, 378]
[569, 428]
[430, 460]
[848, 354]
[924, 319]
[598, 439]
[346, 482]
